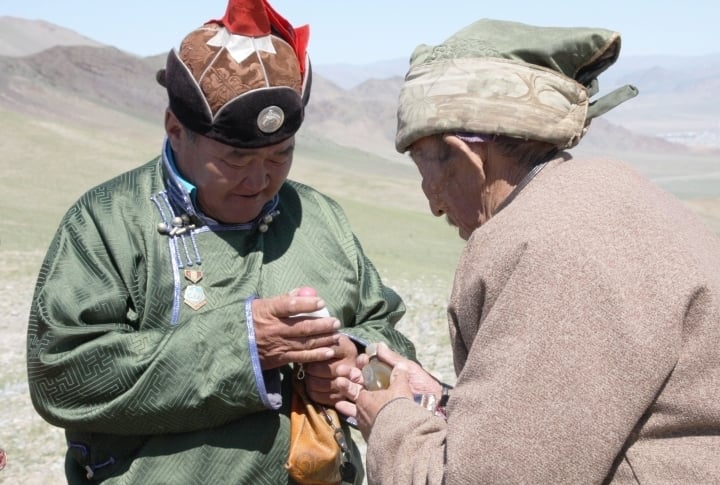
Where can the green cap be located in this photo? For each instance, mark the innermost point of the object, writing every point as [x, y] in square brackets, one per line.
[507, 78]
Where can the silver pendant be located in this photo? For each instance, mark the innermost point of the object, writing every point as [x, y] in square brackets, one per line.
[194, 297]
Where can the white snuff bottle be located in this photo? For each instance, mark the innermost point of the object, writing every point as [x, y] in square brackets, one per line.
[308, 291]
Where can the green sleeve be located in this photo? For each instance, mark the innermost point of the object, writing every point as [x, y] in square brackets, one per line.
[379, 310]
[102, 356]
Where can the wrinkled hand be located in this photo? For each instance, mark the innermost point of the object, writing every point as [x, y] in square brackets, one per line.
[283, 335]
[417, 379]
[421, 382]
[369, 403]
[321, 378]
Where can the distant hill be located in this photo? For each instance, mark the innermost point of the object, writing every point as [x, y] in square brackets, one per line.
[363, 117]
[348, 76]
[73, 115]
[22, 37]
[63, 82]
[677, 98]
[44, 82]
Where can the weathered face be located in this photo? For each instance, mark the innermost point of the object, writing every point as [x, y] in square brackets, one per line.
[233, 184]
[452, 183]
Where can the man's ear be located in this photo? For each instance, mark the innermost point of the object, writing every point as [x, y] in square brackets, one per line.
[173, 128]
[471, 156]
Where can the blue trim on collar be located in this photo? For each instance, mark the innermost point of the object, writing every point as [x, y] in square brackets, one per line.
[168, 154]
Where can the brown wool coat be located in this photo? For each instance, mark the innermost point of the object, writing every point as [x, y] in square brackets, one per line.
[585, 329]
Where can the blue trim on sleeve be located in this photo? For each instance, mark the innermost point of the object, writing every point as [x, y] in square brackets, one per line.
[255, 357]
[359, 343]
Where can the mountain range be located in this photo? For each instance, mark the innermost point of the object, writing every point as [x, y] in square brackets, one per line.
[671, 131]
[351, 105]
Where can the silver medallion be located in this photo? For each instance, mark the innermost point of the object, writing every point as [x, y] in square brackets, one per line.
[194, 297]
[270, 119]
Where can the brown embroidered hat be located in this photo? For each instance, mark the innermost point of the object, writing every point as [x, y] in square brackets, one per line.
[243, 80]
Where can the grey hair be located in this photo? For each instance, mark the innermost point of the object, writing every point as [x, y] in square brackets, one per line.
[526, 153]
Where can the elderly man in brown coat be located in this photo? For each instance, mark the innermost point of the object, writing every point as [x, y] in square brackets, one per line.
[585, 313]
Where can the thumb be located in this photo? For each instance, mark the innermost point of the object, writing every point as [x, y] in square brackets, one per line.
[399, 380]
[388, 356]
[347, 408]
[303, 291]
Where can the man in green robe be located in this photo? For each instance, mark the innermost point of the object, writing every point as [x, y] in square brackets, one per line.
[165, 318]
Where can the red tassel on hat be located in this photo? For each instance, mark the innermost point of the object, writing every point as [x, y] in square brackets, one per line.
[244, 17]
[256, 18]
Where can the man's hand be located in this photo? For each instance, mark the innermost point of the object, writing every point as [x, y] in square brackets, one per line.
[421, 382]
[407, 378]
[284, 335]
[321, 377]
[369, 403]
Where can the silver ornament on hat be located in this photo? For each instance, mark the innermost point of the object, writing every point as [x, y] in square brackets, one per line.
[270, 119]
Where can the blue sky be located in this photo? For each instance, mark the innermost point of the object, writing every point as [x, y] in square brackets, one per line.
[359, 32]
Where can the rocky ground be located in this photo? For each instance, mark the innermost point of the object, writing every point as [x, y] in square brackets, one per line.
[34, 450]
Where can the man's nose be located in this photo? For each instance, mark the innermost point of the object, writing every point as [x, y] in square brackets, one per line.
[436, 207]
[432, 193]
[257, 178]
